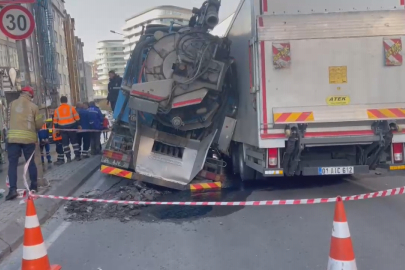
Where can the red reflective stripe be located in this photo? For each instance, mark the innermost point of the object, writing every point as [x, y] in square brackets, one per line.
[323, 134]
[108, 170]
[303, 116]
[261, 24]
[265, 6]
[377, 113]
[283, 117]
[402, 2]
[187, 102]
[147, 95]
[263, 73]
[397, 112]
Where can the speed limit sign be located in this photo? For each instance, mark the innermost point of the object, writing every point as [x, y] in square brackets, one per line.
[16, 22]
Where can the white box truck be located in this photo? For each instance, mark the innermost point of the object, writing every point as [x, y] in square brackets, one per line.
[321, 86]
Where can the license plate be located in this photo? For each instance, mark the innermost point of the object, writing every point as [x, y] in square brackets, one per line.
[117, 163]
[335, 170]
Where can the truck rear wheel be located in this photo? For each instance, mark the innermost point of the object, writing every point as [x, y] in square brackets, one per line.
[235, 158]
[246, 173]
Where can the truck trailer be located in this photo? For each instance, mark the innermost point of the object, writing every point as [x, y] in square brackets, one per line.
[314, 88]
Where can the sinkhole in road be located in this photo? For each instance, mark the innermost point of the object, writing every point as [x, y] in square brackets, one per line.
[137, 191]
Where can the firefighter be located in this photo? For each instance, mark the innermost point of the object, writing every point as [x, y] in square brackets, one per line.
[66, 118]
[57, 138]
[24, 122]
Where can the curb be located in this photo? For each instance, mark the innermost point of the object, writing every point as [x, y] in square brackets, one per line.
[11, 237]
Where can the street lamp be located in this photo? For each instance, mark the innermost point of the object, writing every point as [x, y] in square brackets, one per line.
[129, 41]
[112, 31]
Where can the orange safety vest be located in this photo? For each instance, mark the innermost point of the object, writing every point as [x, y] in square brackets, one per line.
[56, 134]
[65, 115]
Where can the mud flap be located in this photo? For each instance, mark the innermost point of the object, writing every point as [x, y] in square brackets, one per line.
[170, 160]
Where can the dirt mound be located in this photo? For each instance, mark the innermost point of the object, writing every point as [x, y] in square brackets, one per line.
[125, 190]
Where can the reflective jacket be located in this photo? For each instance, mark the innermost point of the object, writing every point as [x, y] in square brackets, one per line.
[24, 121]
[43, 134]
[66, 117]
[56, 134]
[84, 118]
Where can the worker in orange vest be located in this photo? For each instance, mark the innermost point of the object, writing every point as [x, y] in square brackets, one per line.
[57, 138]
[65, 119]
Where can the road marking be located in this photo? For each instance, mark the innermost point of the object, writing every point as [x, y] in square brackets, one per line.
[62, 227]
[56, 233]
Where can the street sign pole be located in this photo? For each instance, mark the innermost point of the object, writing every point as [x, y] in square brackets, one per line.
[16, 22]
[7, 2]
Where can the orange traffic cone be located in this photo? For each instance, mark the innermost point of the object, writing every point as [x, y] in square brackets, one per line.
[35, 256]
[341, 255]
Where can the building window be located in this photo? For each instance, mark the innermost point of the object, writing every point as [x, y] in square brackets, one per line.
[62, 60]
[60, 78]
[57, 56]
[30, 61]
[3, 56]
[60, 39]
[64, 77]
[56, 36]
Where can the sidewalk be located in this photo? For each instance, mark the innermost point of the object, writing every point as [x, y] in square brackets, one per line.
[20, 170]
[64, 180]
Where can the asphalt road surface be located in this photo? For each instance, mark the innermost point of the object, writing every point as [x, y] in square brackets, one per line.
[255, 237]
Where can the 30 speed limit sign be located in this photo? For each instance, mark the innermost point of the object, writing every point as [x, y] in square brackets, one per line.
[16, 22]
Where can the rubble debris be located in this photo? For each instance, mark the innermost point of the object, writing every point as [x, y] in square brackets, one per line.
[124, 190]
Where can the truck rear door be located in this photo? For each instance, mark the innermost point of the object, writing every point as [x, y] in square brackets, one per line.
[323, 64]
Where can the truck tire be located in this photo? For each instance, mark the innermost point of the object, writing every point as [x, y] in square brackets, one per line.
[246, 173]
[235, 158]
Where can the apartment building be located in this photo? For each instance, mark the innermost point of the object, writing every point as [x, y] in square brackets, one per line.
[163, 15]
[59, 16]
[109, 56]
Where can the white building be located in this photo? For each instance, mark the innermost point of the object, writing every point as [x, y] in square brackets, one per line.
[163, 15]
[58, 10]
[110, 56]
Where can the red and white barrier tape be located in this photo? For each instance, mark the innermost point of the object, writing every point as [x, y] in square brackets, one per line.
[80, 130]
[386, 193]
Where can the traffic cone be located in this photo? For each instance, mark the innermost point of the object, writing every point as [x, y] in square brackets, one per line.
[341, 255]
[35, 256]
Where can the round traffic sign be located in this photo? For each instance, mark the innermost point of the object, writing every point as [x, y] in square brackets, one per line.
[16, 22]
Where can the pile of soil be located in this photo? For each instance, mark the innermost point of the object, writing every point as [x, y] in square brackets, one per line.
[125, 190]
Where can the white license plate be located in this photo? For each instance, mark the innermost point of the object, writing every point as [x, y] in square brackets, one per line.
[335, 170]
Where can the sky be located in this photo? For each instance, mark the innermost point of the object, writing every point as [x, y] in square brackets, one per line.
[94, 24]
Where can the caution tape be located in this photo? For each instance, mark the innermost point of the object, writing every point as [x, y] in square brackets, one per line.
[378, 194]
[80, 130]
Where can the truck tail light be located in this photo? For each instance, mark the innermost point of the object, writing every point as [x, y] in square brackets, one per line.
[398, 149]
[273, 157]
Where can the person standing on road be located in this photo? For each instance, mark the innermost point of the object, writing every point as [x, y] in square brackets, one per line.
[24, 122]
[83, 137]
[96, 123]
[106, 126]
[114, 87]
[57, 138]
[66, 118]
[43, 136]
